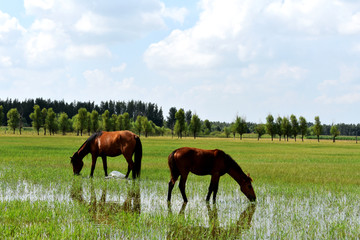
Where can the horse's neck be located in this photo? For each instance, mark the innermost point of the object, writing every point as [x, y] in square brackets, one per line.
[237, 174]
[83, 151]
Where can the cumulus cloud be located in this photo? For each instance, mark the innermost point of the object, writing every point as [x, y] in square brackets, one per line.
[247, 31]
[10, 29]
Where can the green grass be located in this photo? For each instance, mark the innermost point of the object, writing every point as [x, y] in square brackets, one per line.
[305, 190]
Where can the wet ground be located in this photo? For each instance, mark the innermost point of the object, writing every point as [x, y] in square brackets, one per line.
[295, 213]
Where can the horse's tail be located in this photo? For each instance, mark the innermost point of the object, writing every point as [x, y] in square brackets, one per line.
[138, 156]
[172, 165]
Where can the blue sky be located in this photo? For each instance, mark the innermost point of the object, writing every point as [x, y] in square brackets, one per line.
[216, 58]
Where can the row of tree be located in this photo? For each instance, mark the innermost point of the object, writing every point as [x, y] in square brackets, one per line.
[52, 122]
[133, 108]
[178, 122]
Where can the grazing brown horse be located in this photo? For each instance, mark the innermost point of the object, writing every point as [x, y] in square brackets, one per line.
[206, 162]
[110, 144]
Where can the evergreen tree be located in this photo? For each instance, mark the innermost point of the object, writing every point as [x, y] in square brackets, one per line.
[1, 114]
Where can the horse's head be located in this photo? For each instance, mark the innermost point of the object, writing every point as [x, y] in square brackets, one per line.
[247, 189]
[77, 163]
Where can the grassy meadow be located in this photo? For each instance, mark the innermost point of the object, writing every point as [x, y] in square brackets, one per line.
[305, 190]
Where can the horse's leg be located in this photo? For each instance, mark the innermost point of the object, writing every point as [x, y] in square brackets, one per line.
[93, 163]
[130, 164]
[105, 165]
[182, 186]
[171, 185]
[213, 188]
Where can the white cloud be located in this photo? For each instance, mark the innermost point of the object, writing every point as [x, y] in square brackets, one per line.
[284, 71]
[352, 26]
[92, 23]
[44, 24]
[119, 68]
[87, 51]
[10, 28]
[31, 5]
[39, 44]
[177, 14]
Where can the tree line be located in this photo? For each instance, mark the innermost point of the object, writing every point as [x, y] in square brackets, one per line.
[133, 108]
[147, 119]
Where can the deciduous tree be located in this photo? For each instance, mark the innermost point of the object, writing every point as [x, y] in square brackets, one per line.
[138, 125]
[270, 126]
[171, 119]
[50, 121]
[94, 121]
[286, 128]
[294, 126]
[260, 130]
[36, 118]
[106, 120]
[240, 126]
[43, 118]
[64, 123]
[334, 132]
[180, 122]
[195, 125]
[303, 127]
[278, 127]
[13, 119]
[82, 119]
[317, 128]
[127, 123]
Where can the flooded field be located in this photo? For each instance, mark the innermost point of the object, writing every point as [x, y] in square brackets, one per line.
[278, 213]
[298, 197]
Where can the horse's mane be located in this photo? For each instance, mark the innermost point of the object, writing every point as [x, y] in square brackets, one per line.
[90, 139]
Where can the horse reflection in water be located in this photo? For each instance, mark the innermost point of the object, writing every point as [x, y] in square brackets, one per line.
[102, 210]
[214, 230]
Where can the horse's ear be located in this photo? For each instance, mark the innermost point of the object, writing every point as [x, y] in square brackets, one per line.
[249, 177]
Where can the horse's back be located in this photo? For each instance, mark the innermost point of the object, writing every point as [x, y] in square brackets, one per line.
[116, 143]
[195, 160]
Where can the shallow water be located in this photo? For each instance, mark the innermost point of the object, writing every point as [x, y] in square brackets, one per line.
[278, 212]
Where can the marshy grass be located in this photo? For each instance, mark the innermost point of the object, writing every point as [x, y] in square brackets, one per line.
[305, 190]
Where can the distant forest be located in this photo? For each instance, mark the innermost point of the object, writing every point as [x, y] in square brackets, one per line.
[134, 108]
